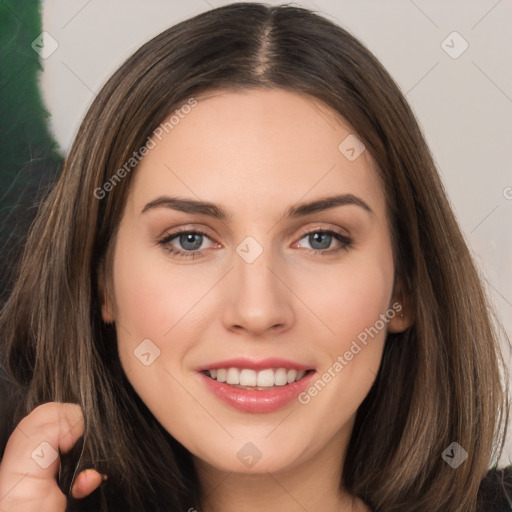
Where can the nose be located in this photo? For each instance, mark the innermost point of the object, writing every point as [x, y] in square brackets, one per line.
[258, 299]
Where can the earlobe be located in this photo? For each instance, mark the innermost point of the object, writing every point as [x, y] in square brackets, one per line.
[402, 317]
[107, 310]
[401, 320]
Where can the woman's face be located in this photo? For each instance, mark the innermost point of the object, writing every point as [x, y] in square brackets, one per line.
[269, 284]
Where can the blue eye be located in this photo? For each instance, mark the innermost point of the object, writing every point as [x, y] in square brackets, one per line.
[320, 242]
[190, 241]
[321, 238]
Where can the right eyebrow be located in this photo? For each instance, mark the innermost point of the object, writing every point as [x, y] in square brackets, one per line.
[188, 206]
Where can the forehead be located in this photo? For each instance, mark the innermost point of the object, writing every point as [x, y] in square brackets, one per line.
[254, 149]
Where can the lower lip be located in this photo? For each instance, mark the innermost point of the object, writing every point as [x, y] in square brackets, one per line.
[257, 401]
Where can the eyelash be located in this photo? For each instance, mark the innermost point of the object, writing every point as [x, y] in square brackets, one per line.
[164, 242]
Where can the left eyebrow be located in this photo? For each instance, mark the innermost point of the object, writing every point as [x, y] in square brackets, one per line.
[326, 203]
[215, 211]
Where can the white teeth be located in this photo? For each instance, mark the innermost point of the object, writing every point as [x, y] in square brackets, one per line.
[247, 378]
[281, 377]
[252, 378]
[233, 376]
[292, 375]
[266, 378]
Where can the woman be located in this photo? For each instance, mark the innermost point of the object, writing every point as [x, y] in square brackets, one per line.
[248, 291]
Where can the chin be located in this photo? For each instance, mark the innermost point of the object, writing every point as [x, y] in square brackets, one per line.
[255, 457]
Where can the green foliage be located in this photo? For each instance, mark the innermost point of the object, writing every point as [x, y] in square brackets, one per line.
[28, 154]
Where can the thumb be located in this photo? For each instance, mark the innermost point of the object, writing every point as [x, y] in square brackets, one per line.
[86, 482]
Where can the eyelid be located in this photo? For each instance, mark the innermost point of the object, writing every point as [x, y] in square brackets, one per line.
[174, 232]
[344, 241]
[165, 243]
[170, 234]
[165, 239]
[323, 227]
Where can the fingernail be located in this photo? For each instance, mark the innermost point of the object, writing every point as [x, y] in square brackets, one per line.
[77, 490]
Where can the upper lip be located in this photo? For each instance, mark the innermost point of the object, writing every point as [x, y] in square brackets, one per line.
[252, 364]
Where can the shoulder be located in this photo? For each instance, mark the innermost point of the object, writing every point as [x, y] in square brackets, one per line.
[495, 493]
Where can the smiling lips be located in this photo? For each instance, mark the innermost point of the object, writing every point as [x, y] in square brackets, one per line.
[252, 379]
[256, 387]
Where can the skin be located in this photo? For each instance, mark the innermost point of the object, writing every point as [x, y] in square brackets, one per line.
[255, 154]
[30, 464]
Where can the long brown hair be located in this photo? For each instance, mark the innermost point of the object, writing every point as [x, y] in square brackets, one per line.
[439, 381]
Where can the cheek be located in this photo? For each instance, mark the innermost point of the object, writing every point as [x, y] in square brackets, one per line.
[354, 301]
[351, 298]
[156, 301]
[159, 308]
[152, 294]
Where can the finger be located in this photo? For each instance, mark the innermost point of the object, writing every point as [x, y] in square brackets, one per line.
[86, 482]
[60, 424]
[31, 461]
[34, 445]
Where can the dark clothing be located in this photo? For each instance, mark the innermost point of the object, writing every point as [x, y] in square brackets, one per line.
[495, 495]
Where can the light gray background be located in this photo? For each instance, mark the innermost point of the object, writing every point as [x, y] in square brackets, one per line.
[464, 105]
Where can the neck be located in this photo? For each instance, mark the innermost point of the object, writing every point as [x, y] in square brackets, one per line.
[302, 487]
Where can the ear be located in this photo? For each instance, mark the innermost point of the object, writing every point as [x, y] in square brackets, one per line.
[107, 307]
[401, 306]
